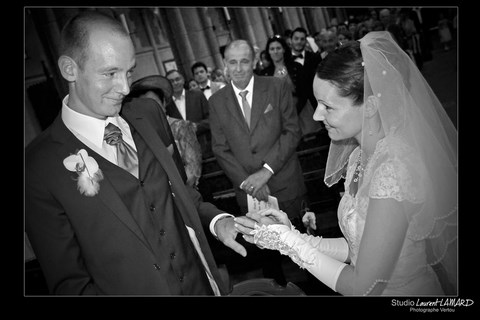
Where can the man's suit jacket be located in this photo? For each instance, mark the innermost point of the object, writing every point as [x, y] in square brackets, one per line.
[272, 138]
[196, 110]
[75, 236]
[312, 59]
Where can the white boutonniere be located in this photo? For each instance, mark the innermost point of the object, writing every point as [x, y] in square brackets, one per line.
[89, 174]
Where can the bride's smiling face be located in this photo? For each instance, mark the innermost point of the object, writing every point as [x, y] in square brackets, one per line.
[342, 119]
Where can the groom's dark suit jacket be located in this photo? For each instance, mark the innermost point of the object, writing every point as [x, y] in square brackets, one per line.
[115, 242]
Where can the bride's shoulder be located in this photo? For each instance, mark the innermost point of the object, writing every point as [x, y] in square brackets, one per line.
[399, 172]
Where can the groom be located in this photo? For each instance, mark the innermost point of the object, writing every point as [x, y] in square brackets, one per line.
[95, 227]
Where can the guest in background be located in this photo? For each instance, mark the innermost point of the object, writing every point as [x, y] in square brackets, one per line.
[192, 85]
[444, 31]
[389, 21]
[328, 42]
[262, 62]
[255, 134]
[283, 66]
[190, 105]
[411, 36]
[200, 74]
[344, 36]
[218, 76]
[309, 61]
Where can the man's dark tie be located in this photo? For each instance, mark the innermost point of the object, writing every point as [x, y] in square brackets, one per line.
[300, 56]
[205, 88]
[126, 155]
[246, 107]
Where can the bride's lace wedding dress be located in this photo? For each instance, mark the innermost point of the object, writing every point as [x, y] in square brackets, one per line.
[390, 173]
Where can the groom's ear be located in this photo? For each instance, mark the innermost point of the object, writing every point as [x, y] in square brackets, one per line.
[371, 106]
[68, 68]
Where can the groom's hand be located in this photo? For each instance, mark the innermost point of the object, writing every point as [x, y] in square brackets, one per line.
[226, 233]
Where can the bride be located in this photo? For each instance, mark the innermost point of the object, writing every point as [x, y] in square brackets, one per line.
[396, 148]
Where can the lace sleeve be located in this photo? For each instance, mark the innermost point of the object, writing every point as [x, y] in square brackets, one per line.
[268, 237]
[394, 179]
[288, 242]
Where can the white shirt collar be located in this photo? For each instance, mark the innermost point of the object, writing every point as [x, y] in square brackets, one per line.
[89, 127]
[182, 96]
[209, 84]
[249, 87]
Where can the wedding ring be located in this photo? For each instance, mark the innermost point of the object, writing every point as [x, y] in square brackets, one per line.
[251, 188]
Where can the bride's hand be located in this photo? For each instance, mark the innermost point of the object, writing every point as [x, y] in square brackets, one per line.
[309, 221]
[278, 216]
[247, 223]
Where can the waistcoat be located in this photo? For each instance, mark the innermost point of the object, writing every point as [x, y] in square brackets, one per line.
[151, 203]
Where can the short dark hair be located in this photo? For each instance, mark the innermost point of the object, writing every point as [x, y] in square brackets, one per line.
[343, 68]
[199, 64]
[74, 38]
[299, 29]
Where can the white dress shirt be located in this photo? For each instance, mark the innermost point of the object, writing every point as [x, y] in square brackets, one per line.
[207, 92]
[181, 106]
[249, 96]
[300, 60]
[90, 131]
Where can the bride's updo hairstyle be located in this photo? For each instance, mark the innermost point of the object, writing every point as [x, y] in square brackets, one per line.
[343, 68]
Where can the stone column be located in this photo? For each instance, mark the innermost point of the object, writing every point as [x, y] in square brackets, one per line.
[211, 37]
[151, 38]
[261, 35]
[326, 16]
[49, 33]
[285, 19]
[245, 25]
[341, 15]
[178, 38]
[302, 19]
[292, 15]
[266, 21]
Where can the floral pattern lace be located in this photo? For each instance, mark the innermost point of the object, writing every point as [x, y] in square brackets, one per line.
[269, 237]
[385, 176]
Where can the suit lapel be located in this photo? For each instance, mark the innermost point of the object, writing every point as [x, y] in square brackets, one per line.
[260, 96]
[107, 194]
[189, 105]
[233, 107]
[172, 110]
[153, 141]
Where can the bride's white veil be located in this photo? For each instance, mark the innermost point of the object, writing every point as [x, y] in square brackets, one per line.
[410, 111]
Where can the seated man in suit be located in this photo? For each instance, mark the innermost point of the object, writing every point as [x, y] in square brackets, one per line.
[106, 209]
[200, 74]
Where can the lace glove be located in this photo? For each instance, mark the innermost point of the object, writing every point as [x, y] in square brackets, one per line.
[289, 242]
[336, 248]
